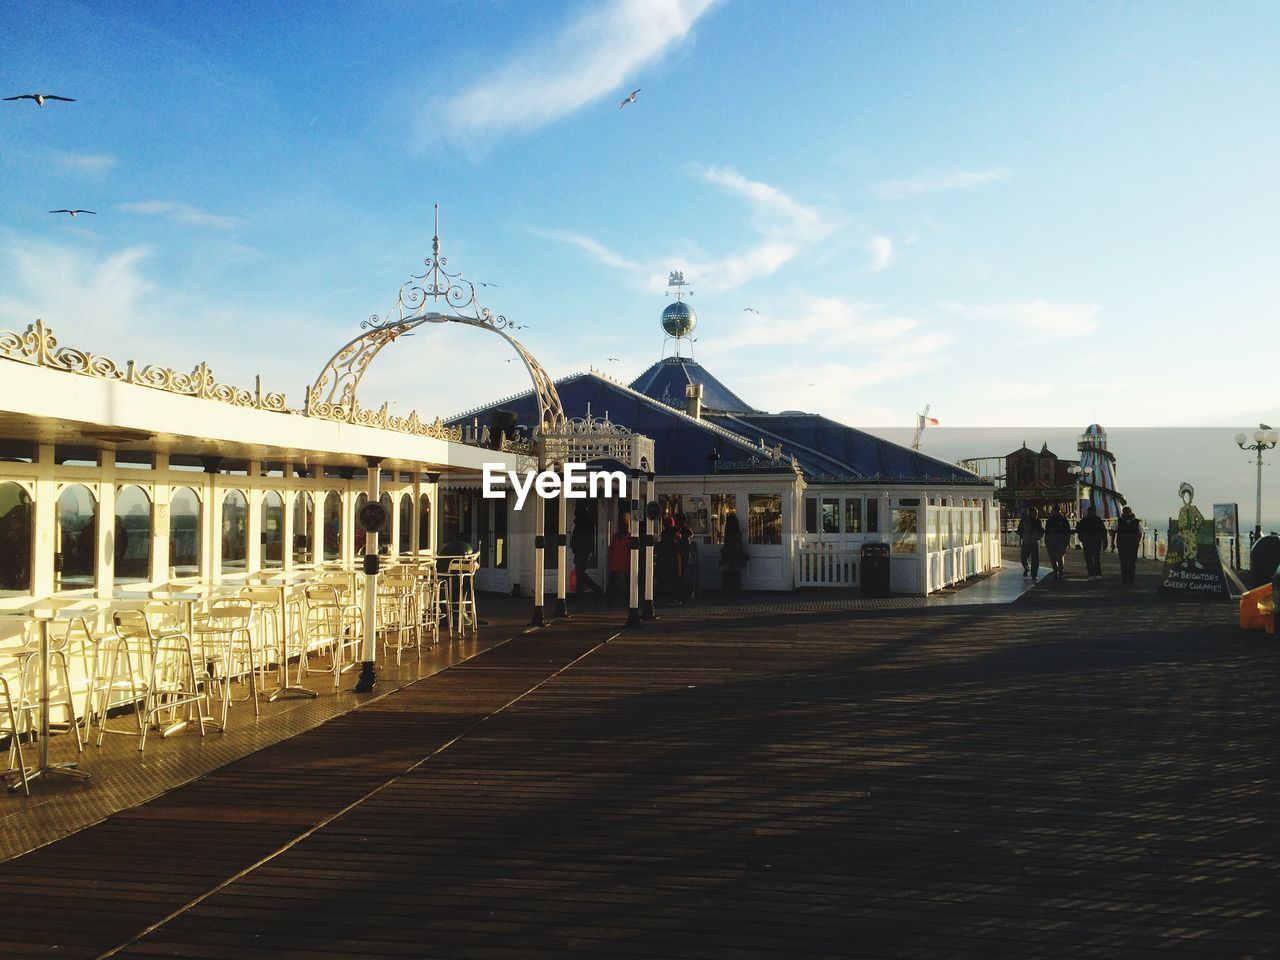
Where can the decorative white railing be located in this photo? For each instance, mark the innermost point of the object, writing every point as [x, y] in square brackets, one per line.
[827, 564]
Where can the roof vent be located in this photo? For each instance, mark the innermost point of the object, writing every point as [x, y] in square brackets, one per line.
[693, 400]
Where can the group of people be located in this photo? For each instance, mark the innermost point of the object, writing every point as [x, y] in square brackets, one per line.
[1056, 532]
[675, 560]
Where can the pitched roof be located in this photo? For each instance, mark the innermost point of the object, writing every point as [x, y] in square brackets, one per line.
[665, 382]
[823, 449]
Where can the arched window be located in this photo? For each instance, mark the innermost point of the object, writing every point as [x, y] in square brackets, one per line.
[332, 525]
[184, 533]
[77, 549]
[304, 512]
[272, 531]
[424, 522]
[357, 531]
[406, 523]
[15, 539]
[235, 532]
[384, 531]
[132, 535]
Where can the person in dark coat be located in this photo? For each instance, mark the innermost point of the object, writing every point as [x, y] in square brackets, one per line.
[620, 561]
[1030, 533]
[666, 561]
[1128, 539]
[1057, 536]
[733, 555]
[1093, 537]
[684, 551]
[583, 545]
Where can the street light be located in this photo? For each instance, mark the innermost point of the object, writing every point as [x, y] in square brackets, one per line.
[1264, 438]
[1079, 472]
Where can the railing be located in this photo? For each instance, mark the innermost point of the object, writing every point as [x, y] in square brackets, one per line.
[827, 564]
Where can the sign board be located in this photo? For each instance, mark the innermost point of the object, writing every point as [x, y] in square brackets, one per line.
[1226, 519]
[1192, 567]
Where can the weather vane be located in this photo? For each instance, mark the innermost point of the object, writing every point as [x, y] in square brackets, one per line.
[676, 279]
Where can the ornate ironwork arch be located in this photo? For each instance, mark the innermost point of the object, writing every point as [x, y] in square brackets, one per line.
[333, 394]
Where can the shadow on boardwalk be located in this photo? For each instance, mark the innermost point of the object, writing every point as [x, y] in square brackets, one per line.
[1075, 774]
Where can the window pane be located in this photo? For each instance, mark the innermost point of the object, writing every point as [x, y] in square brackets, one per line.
[672, 505]
[272, 531]
[332, 525]
[235, 532]
[722, 504]
[873, 515]
[697, 515]
[831, 515]
[810, 514]
[424, 522]
[132, 535]
[357, 531]
[904, 531]
[764, 518]
[406, 523]
[304, 514]
[384, 531]
[499, 533]
[853, 515]
[77, 553]
[15, 538]
[184, 533]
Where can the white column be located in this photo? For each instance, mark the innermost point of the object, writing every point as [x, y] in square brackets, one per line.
[562, 549]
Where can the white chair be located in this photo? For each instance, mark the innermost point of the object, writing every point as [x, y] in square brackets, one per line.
[224, 638]
[333, 626]
[462, 571]
[16, 763]
[170, 678]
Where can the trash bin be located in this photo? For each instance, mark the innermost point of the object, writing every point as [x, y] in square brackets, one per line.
[875, 570]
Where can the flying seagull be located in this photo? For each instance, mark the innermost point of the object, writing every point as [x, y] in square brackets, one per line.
[40, 98]
[750, 310]
[74, 212]
[631, 98]
[611, 358]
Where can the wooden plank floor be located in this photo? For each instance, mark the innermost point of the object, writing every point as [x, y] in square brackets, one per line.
[1088, 772]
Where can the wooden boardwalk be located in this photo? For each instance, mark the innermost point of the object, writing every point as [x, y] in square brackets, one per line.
[1088, 772]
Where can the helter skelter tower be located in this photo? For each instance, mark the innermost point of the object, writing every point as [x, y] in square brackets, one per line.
[1101, 483]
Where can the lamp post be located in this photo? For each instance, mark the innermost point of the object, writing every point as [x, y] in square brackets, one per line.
[1078, 472]
[1264, 438]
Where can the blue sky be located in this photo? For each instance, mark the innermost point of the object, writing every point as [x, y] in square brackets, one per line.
[1023, 214]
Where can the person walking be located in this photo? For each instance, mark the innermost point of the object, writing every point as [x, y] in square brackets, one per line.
[1128, 538]
[620, 561]
[1030, 533]
[1057, 535]
[583, 545]
[1093, 537]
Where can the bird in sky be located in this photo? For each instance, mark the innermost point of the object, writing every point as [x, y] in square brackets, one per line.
[750, 310]
[630, 98]
[611, 359]
[74, 212]
[40, 98]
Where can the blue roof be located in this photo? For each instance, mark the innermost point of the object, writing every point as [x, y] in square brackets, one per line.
[827, 450]
[824, 449]
[665, 381]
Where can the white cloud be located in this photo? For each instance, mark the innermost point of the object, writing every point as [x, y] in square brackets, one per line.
[938, 182]
[881, 250]
[597, 251]
[180, 212]
[89, 164]
[599, 52]
[1043, 319]
[828, 320]
[784, 226]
